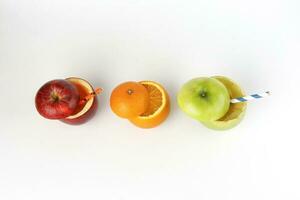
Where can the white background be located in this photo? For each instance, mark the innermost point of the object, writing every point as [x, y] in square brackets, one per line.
[107, 42]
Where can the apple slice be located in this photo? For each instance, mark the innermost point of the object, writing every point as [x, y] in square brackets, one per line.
[57, 99]
[87, 105]
[236, 111]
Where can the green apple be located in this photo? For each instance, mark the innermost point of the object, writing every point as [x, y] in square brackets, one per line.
[236, 111]
[204, 99]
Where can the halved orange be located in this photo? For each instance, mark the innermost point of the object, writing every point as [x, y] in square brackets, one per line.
[129, 99]
[158, 108]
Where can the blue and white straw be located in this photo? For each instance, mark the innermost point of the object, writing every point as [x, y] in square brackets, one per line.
[250, 97]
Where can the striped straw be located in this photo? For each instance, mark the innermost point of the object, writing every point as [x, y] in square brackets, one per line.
[250, 97]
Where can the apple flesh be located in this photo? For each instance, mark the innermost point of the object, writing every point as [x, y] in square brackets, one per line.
[57, 99]
[86, 110]
[204, 99]
[236, 111]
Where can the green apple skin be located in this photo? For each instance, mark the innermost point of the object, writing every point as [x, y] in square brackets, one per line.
[224, 125]
[236, 111]
[204, 99]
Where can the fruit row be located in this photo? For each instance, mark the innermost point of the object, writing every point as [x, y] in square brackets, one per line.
[146, 104]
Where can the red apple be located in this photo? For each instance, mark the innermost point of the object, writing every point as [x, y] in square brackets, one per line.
[57, 99]
[87, 105]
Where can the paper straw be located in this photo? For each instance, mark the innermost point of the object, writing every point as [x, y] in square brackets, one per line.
[250, 97]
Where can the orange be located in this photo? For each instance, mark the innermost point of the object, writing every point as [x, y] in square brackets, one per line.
[158, 109]
[129, 99]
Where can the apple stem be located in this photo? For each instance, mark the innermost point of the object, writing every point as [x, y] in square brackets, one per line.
[203, 94]
[91, 95]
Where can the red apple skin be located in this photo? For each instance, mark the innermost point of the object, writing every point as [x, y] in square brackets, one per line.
[57, 99]
[85, 117]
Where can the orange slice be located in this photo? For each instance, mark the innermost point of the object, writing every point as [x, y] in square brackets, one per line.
[158, 108]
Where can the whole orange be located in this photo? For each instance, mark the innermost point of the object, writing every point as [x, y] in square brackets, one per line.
[129, 99]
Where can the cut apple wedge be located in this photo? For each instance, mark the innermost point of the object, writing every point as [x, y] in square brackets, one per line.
[87, 105]
[236, 111]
